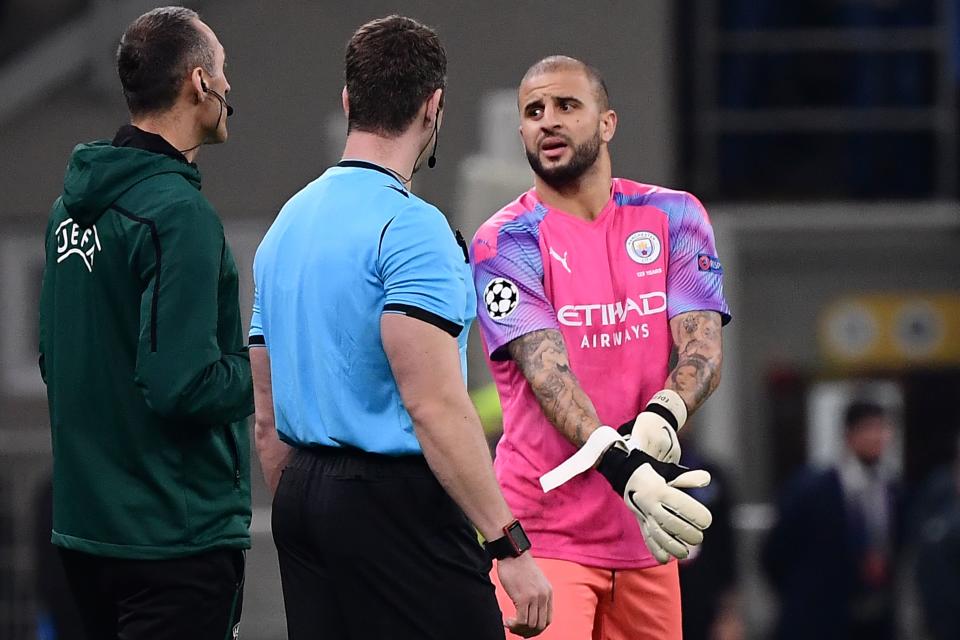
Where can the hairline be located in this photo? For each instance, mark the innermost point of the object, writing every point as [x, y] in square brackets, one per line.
[558, 63]
[360, 38]
[201, 53]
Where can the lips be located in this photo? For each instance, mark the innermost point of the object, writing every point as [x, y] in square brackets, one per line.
[553, 146]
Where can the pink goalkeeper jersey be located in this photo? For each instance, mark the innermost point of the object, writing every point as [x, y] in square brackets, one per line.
[610, 287]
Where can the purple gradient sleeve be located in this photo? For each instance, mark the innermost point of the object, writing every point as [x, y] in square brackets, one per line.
[511, 301]
[695, 274]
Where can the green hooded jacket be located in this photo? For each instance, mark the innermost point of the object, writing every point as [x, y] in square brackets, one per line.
[142, 350]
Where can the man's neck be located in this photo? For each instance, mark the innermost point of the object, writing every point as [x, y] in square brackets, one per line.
[170, 127]
[587, 197]
[396, 154]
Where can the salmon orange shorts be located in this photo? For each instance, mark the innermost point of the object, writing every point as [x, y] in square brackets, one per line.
[603, 604]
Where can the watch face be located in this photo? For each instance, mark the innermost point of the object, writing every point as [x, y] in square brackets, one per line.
[518, 537]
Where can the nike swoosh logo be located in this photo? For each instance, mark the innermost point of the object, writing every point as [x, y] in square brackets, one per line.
[398, 190]
[670, 437]
[630, 495]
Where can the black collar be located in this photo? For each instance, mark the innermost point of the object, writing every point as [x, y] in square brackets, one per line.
[363, 164]
[131, 136]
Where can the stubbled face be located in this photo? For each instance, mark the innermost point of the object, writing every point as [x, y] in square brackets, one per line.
[214, 116]
[870, 439]
[561, 125]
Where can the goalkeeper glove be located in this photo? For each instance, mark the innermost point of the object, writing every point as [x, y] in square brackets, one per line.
[654, 431]
[671, 521]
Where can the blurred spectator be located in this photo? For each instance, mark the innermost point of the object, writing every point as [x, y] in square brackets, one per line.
[708, 577]
[937, 518]
[57, 614]
[830, 555]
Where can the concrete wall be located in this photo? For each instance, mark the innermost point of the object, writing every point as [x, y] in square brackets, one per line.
[285, 66]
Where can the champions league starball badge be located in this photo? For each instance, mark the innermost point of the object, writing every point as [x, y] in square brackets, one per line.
[500, 297]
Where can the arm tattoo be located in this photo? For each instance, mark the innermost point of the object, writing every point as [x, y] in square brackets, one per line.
[542, 358]
[700, 354]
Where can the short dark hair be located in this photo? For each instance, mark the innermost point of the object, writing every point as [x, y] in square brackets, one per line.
[565, 63]
[392, 65]
[861, 410]
[155, 53]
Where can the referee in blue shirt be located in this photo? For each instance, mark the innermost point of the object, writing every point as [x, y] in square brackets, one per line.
[363, 302]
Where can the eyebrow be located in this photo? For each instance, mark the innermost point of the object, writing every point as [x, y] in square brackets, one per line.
[537, 101]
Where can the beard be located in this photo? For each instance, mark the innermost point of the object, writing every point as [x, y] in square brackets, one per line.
[559, 177]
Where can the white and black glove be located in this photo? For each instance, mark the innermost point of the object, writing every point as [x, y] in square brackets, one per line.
[655, 429]
[671, 521]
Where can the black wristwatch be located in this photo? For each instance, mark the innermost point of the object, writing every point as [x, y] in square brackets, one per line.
[513, 542]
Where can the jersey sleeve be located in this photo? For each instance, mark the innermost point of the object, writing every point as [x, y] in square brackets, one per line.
[511, 301]
[694, 274]
[420, 265]
[256, 336]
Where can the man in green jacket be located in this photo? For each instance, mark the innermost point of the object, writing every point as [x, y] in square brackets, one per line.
[141, 347]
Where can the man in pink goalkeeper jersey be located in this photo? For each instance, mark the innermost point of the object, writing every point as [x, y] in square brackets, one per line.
[585, 284]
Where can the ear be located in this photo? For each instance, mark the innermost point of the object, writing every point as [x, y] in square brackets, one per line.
[608, 125]
[196, 84]
[433, 109]
[345, 101]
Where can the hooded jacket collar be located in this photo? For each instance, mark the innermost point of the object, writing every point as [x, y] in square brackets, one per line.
[130, 136]
[100, 172]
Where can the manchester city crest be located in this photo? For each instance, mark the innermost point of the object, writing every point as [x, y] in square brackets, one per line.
[643, 247]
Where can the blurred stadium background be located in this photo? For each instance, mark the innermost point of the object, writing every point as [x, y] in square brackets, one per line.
[821, 136]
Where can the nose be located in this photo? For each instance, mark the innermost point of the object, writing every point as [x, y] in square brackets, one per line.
[550, 117]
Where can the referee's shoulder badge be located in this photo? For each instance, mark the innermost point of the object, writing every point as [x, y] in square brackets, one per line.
[500, 297]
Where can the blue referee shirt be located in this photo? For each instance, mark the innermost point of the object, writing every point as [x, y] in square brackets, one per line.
[350, 246]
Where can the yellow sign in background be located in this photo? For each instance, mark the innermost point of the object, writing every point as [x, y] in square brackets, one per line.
[892, 330]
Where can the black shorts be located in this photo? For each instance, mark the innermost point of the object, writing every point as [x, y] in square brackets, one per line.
[372, 548]
[194, 597]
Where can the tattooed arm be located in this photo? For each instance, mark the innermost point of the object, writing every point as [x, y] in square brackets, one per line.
[700, 354]
[542, 358]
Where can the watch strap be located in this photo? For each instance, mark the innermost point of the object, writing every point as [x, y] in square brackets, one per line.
[510, 545]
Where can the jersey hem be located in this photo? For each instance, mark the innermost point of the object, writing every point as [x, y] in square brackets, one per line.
[725, 316]
[424, 315]
[144, 552]
[501, 352]
[596, 562]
